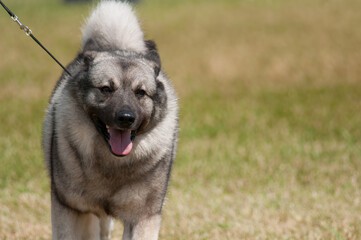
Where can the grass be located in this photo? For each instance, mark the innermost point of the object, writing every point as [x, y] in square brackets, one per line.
[270, 113]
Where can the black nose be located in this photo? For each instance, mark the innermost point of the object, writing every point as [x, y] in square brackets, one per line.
[125, 118]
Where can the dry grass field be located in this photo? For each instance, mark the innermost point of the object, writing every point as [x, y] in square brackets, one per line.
[270, 94]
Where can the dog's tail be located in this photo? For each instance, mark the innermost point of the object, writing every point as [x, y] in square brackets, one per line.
[113, 26]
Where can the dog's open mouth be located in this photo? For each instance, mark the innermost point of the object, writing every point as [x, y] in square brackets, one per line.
[120, 141]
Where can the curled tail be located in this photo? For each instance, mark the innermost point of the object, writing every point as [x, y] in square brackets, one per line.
[113, 25]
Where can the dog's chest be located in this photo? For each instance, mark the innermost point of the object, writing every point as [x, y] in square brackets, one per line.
[119, 196]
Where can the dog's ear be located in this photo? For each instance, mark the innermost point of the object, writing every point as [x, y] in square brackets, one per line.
[86, 58]
[153, 56]
[90, 45]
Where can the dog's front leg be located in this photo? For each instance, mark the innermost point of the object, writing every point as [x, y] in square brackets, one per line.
[68, 224]
[145, 229]
[106, 227]
[63, 220]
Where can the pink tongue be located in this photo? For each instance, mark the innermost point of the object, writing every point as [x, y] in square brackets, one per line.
[120, 141]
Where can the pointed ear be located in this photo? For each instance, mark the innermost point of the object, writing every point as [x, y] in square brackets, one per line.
[87, 58]
[90, 45]
[153, 56]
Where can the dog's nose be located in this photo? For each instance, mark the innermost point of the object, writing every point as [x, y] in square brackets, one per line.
[125, 118]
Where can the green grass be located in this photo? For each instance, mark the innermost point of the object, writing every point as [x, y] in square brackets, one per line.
[270, 115]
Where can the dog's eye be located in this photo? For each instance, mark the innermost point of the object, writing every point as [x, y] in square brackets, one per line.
[140, 93]
[106, 89]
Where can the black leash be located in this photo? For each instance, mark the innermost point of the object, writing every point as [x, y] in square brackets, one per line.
[28, 32]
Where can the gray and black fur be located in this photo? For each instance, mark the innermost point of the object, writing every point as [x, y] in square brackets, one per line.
[117, 86]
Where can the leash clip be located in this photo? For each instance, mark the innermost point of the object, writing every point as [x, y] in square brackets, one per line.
[26, 29]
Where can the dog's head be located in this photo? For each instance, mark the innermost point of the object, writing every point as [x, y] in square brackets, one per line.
[121, 93]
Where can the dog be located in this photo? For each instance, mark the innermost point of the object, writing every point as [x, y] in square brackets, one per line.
[110, 132]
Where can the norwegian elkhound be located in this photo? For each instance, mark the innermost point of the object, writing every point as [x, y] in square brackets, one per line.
[110, 132]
